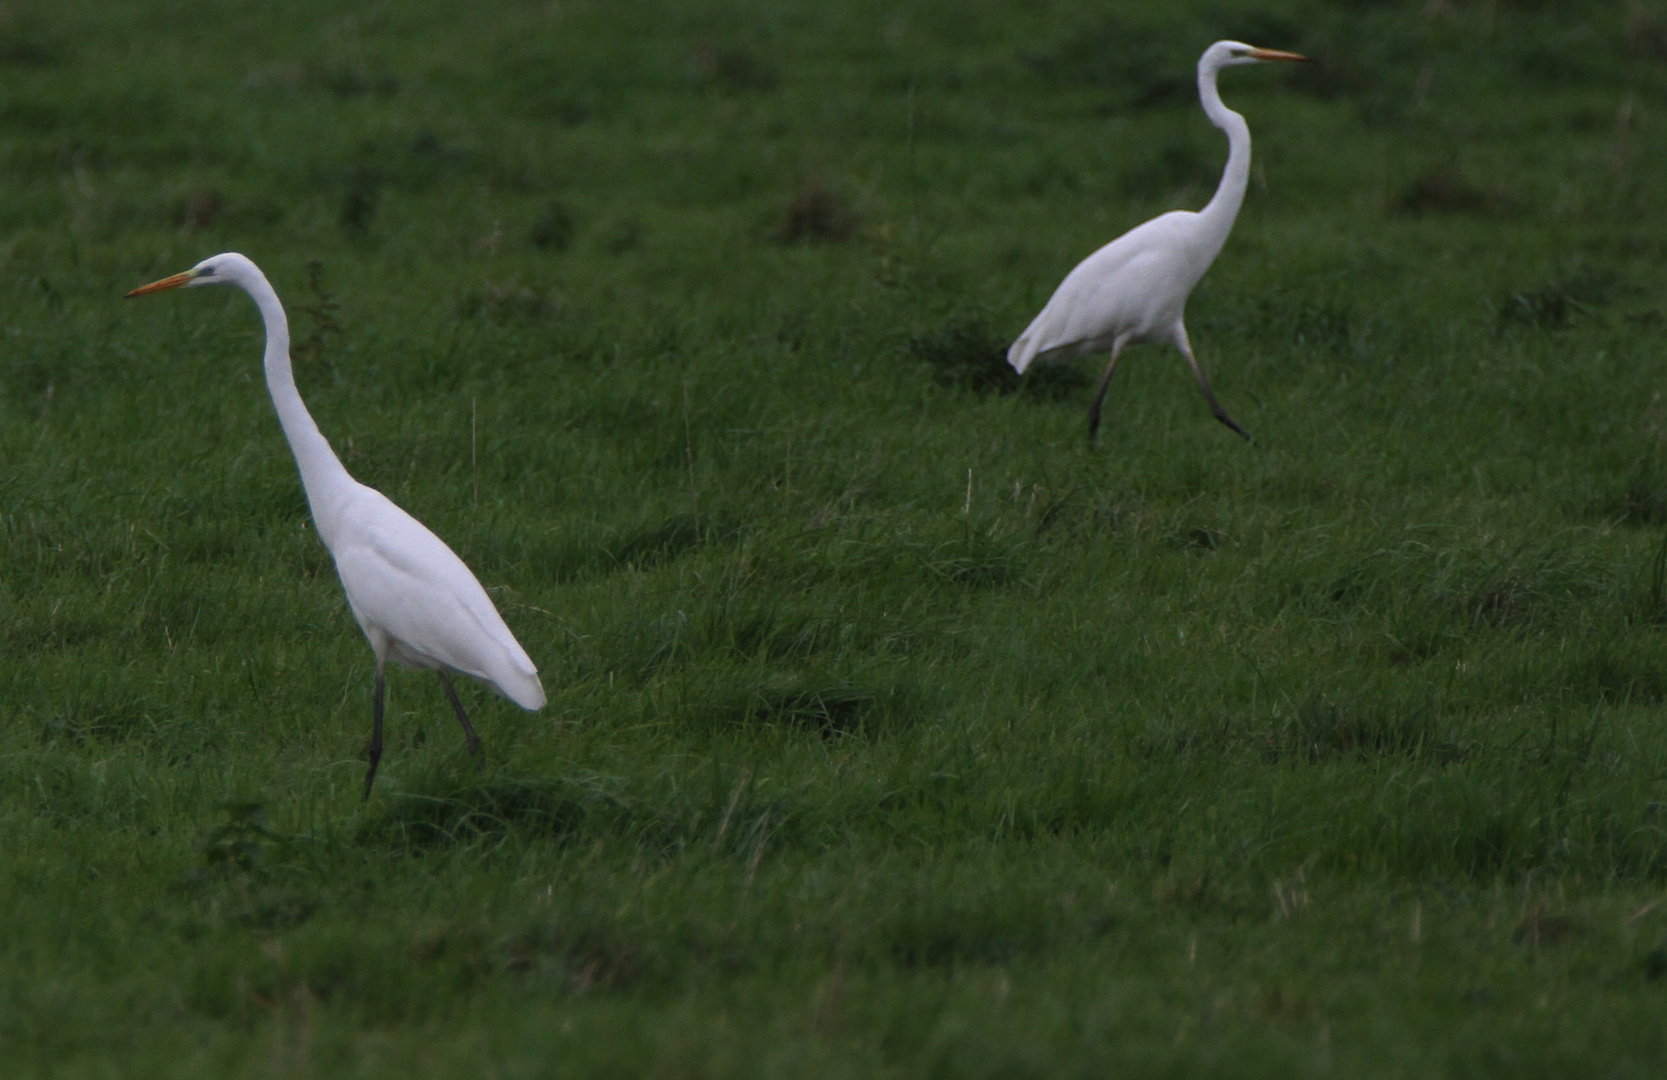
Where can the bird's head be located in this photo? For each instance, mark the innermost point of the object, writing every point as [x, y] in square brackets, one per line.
[1233, 53]
[226, 269]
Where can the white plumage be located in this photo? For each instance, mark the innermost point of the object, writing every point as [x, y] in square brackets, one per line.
[418, 605]
[1135, 288]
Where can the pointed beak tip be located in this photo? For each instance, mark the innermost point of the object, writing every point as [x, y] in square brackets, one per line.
[172, 282]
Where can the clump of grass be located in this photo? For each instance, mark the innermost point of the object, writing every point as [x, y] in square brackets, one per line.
[817, 214]
[253, 875]
[322, 309]
[1557, 304]
[445, 813]
[734, 69]
[199, 210]
[361, 195]
[506, 302]
[1443, 189]
[1201, 540]
[1544, 927]
[1645, 32]
[967, 355]
[555, 228]
[1639, 502]
[829, 709]
[24, 44]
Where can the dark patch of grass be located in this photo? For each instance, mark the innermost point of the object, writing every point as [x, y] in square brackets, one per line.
[809, 702]
[1558, 304]
[734, 69]
[964, 355]
[361, 195]
[555, 228]
[1641, 502]
[829, 709]
[492, 810]
[1200, 539]
[667, 540]
[1542, 927]
[507, 302]
[251, 875]
[817, 214]
[1444, 190]
[1645, 33]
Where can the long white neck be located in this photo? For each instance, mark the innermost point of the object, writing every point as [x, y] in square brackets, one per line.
[323, 476]
[1223, 208]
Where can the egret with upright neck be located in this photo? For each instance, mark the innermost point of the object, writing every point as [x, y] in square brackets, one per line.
[417, 603]
[1135, 288]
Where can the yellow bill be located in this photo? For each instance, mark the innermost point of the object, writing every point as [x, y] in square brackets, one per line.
[173, 282]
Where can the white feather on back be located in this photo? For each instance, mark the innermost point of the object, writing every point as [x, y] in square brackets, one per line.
[404, 581]
[1134, 288]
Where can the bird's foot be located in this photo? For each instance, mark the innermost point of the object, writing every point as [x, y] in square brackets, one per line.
[1221, 414]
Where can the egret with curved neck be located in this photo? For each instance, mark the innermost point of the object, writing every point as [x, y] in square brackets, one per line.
[418, 605]
[1135, 288]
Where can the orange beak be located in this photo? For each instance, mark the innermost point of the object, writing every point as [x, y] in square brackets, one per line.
[166, 283]
[1277, 54]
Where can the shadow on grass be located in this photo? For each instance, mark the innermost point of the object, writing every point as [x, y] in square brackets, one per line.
[493, 809]
[969, 356]
[808, 702]
[582, 551]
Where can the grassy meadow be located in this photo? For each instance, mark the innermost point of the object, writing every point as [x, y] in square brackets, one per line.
[893, 730]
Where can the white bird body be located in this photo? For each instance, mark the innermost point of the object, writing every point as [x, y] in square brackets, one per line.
[1094, 309]
[415, 600]
[1135, 288]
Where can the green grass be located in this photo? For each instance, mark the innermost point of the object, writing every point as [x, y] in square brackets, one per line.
[893, 730]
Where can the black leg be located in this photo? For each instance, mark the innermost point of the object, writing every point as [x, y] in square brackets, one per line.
[1100, 395]
[373, 751]
[463, 718]
[1210, 396]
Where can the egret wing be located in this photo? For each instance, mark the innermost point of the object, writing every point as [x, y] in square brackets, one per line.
[403, 580]
[1122, 290]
